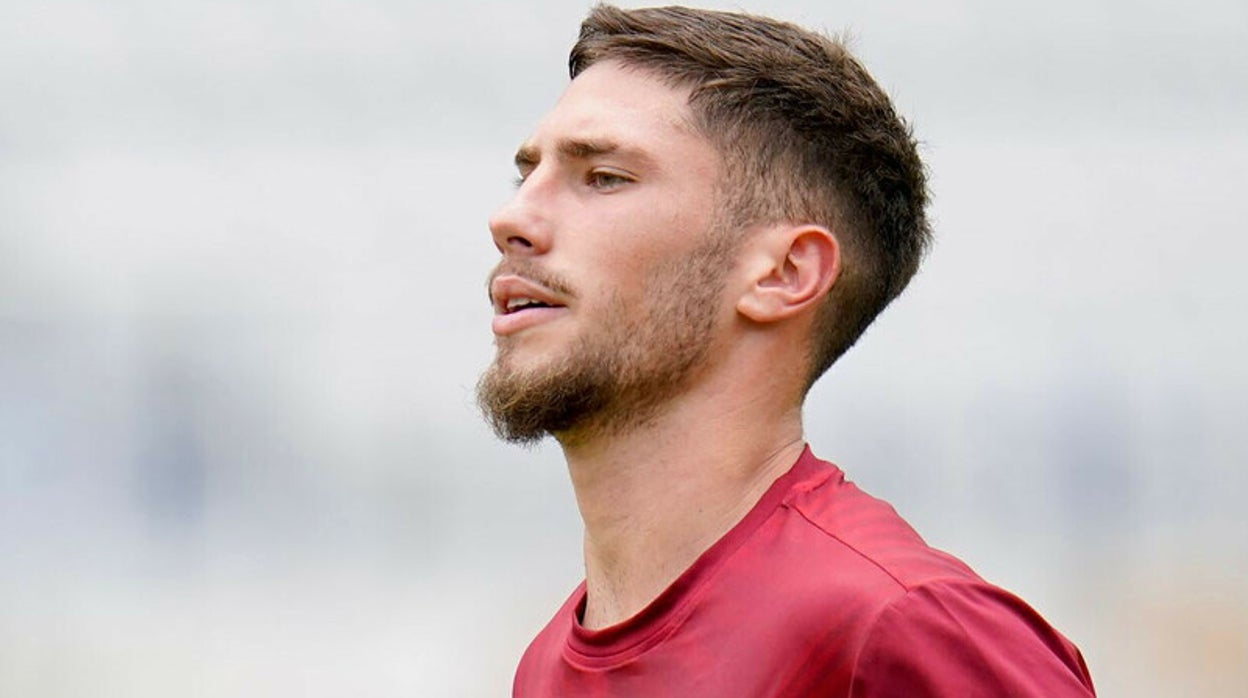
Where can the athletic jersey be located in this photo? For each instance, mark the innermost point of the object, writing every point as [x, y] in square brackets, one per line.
[821, 590]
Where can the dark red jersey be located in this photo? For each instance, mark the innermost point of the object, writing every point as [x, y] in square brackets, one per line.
[821, 590]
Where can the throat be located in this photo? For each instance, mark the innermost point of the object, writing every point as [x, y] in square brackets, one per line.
[649, 520]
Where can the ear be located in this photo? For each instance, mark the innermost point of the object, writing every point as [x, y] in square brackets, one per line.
[791, 268]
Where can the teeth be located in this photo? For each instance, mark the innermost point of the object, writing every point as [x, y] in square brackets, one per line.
[516, 303]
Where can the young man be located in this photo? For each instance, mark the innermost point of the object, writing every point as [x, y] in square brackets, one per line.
[711, 214]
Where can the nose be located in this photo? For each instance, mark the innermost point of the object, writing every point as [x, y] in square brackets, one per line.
[519, 227]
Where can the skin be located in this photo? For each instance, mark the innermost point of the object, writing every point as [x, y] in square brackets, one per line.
[658, 493]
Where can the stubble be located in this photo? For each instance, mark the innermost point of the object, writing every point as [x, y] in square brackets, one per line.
[618, 373]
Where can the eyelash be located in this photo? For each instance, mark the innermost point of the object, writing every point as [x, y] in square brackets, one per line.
[593, 178]
[596, 178]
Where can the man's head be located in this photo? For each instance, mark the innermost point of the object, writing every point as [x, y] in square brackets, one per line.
[682, 131]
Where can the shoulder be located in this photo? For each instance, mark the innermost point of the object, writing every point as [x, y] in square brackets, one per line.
[924, 623]
[869, 530]
[827, 563]
[966, 638]
[830, 548]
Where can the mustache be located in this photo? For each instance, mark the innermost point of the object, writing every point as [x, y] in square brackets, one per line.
[529, 271]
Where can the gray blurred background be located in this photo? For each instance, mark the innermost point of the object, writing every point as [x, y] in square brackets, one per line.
[242, 310]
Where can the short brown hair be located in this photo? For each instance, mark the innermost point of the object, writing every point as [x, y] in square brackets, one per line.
[806, 135]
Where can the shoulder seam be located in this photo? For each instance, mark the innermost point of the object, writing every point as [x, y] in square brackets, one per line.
[892, 603]
[870, 634]
[905, 587]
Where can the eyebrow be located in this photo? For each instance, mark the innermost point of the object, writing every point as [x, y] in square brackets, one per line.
[530, 155]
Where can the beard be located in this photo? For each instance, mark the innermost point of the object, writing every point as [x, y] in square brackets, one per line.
[619, 372]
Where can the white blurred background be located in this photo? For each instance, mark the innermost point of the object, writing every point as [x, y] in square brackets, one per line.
[242, 311]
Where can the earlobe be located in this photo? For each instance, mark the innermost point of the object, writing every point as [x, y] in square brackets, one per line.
[797, 267]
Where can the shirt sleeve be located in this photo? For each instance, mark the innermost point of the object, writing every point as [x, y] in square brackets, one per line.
[962, 638]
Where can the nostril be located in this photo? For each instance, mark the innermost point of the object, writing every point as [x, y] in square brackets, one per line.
[517, 240]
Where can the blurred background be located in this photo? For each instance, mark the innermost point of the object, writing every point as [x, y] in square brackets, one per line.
[242, 311]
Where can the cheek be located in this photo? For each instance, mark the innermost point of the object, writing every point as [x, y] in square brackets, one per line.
[641, 249]
[621, 258]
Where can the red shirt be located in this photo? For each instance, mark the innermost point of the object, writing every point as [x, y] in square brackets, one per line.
[821, 590]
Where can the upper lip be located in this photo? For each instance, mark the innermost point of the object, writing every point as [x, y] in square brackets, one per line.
[506, 288]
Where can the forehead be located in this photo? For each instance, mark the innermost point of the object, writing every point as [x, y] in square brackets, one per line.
[625, 106]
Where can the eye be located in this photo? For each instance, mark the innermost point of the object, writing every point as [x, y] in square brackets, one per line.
[606, 179]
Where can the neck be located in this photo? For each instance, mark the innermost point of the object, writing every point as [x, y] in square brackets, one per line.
[656, 497]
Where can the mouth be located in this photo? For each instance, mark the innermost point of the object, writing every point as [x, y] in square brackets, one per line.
[520, 303]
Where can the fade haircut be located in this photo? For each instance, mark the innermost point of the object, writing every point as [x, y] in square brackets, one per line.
[806, 136]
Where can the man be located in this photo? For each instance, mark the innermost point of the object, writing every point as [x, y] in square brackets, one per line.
[711, 214]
